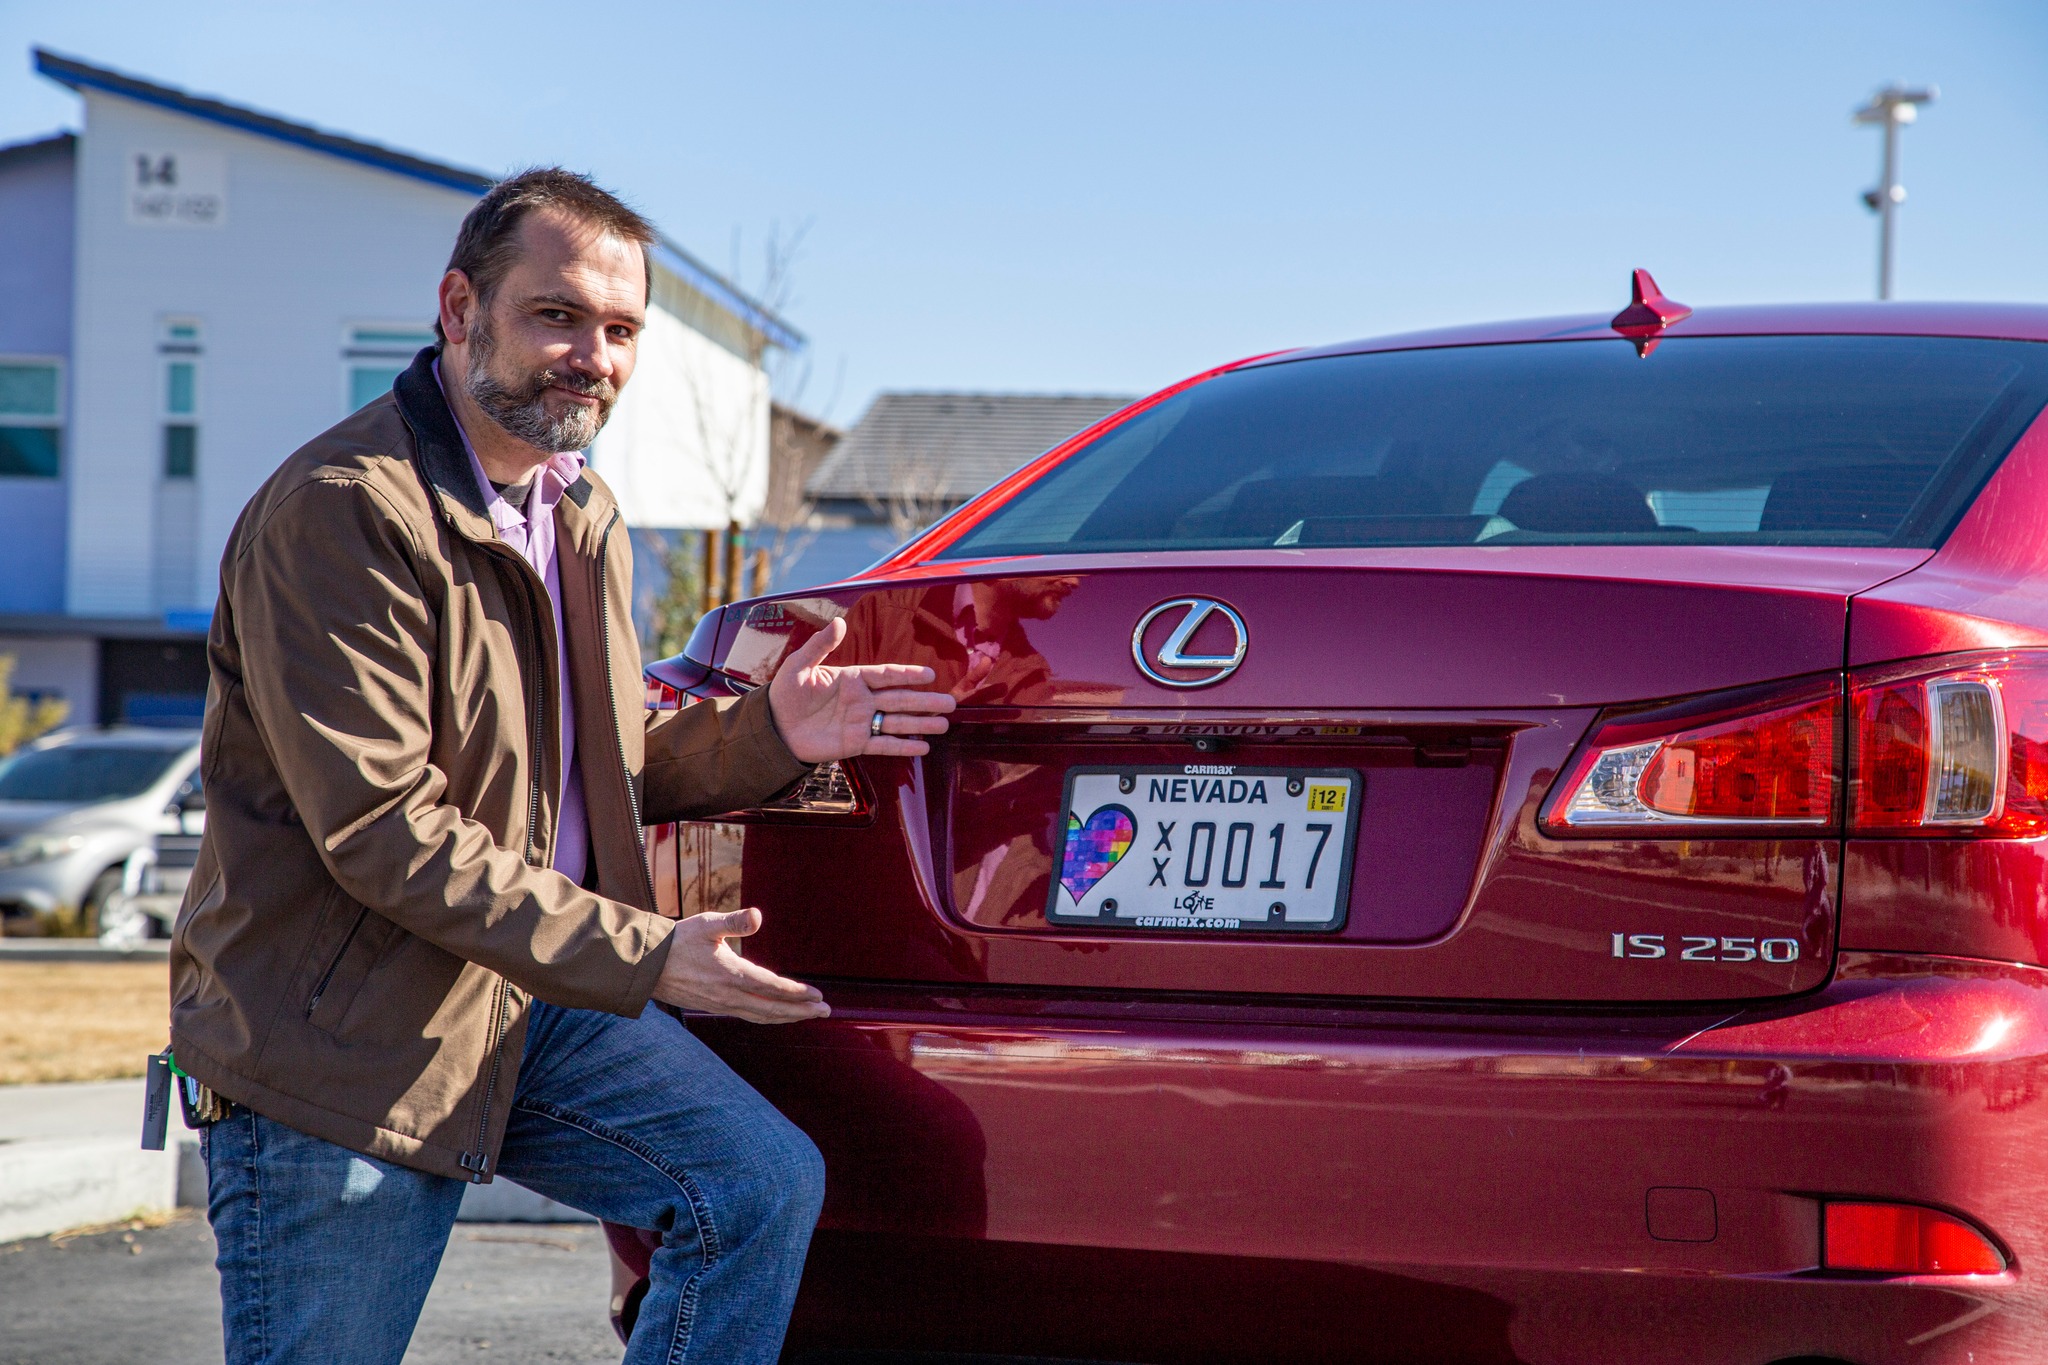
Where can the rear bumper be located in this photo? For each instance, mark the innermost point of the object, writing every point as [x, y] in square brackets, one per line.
[1214, 1161]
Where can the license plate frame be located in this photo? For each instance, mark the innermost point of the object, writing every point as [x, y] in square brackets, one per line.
[1132, 911]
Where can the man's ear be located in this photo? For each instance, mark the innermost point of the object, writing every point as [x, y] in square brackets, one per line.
[458, 301]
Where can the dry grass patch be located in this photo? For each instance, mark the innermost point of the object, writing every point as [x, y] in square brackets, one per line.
[128, 1227]
[81, 1021]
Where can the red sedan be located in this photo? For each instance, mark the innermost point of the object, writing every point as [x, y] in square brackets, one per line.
[1522, 843]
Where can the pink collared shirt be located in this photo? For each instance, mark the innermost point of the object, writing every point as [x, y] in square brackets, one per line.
[531, 531]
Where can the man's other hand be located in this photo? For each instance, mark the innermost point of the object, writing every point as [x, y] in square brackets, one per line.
[703, 973]
[825, 713]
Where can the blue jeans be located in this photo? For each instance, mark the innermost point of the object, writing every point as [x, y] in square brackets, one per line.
[326, 1256]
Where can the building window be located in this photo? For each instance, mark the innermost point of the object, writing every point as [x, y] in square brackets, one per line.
[368, 383]
[181, 388]
[31, 418]
[179, 345]
[375, 354]
[181, 450]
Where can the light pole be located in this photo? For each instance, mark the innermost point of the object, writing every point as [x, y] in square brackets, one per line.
[1893, 107]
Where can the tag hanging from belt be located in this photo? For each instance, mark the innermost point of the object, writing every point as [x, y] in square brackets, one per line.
[198, 1101]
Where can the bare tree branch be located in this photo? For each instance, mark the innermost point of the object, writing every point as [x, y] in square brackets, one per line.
[914, 495]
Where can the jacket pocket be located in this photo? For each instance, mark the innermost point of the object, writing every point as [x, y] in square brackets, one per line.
[335, 989]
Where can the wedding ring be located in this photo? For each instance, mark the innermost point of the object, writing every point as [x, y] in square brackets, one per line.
[875, 725]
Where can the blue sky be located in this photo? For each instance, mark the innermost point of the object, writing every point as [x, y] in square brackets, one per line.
[1107, 196]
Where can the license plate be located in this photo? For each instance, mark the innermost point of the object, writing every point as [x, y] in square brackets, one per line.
[1207, 846]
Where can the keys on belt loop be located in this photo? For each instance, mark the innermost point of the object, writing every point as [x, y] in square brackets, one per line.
[200, 1103]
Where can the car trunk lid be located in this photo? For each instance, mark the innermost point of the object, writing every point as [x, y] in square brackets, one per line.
[1453, 683]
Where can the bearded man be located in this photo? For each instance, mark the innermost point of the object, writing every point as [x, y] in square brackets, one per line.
[420, 939]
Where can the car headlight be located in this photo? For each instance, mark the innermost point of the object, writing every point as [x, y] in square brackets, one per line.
[39, 848]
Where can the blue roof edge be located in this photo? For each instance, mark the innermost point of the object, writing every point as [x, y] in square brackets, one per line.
[722, 292]
[79, 75]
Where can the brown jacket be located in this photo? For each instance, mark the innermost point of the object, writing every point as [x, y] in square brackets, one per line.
[373, 904]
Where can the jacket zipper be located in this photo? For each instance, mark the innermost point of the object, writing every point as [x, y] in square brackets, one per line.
[478, 1163]
[350, 937]
[536, 726]
[604, 635]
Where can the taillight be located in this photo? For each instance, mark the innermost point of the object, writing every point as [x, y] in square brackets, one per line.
[831, 794]
[1743, 761]
[1904, 1239]
[1951, 746]
[829, 790]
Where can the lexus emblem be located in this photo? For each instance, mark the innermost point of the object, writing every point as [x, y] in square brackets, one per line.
[1170, 665]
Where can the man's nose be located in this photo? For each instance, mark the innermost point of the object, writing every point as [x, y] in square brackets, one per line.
[591, 355]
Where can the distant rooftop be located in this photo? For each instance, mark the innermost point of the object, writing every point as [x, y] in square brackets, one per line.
[950, 446]
[81, 76]
[52, 144]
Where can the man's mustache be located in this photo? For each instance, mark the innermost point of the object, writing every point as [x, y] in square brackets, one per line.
[603, 390]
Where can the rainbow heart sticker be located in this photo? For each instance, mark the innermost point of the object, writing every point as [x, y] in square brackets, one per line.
[1094, 846]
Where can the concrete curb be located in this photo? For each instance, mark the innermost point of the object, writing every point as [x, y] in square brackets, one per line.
[56, 1185]
[80, 950]
[69, 1158]
[52, 1186]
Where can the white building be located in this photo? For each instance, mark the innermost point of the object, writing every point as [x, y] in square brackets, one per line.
[193, 290]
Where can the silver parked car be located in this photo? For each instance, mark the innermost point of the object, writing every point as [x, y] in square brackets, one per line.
[153, 886]
[79, 815]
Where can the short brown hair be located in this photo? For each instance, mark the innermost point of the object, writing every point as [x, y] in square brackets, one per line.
[484, 244]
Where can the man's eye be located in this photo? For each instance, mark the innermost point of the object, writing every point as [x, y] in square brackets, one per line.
[622, 333]
[554, 314]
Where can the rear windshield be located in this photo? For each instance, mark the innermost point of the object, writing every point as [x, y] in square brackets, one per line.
[1783, 440]
[83, 772]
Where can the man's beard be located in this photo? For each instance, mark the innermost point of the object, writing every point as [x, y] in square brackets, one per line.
[521, 408]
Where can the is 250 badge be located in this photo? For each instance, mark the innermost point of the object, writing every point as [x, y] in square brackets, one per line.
[1704, 948]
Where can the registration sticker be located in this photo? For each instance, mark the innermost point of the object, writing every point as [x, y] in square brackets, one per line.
[1327, 797]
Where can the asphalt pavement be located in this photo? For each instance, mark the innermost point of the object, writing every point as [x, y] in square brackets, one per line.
[512, 1293]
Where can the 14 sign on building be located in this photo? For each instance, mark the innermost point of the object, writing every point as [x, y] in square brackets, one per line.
[178, 188]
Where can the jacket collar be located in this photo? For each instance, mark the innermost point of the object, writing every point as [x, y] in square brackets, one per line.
[438, 450]
[445, 468]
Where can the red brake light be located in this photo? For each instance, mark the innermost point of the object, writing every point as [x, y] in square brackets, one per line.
[1904, 1239]
[1891, 756]
[1961, 749]
[1776, 766]
[1952, 746]
[1740, 760]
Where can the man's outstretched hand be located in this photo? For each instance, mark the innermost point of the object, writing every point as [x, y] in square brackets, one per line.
[703, 973]
[824, 712]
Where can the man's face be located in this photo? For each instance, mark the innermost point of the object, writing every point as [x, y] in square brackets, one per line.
[551, 348]
[1039, 599]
